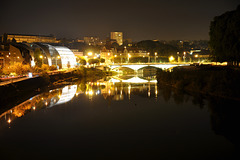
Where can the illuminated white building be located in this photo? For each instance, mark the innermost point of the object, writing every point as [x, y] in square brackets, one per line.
[57, 55]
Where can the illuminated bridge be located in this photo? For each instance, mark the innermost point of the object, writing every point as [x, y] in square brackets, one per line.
[137, 66]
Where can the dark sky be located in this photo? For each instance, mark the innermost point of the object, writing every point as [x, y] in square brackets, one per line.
[138, 19]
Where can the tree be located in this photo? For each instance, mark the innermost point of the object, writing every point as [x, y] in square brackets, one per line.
[115, 45]
[225, 37]
[156, 46]
[37, 59]
[102, 60]
[92, 61]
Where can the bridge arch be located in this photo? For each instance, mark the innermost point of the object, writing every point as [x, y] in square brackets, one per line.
[139, 66]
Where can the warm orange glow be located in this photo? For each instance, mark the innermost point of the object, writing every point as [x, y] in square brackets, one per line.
[171, 58]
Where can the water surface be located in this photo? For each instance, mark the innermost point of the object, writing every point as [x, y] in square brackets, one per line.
[119, 118]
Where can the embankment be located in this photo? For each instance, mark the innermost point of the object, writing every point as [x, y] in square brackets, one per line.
[17, 92]
[210, 80]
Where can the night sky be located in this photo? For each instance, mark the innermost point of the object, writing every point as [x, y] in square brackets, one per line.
[138, 19]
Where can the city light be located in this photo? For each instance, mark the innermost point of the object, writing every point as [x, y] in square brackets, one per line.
[89, 53]
[171, 58]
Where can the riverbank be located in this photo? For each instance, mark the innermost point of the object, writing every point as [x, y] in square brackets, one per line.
[216, 81]
[17, 92]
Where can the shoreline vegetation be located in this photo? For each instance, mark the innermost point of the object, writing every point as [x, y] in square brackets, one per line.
[217, 81]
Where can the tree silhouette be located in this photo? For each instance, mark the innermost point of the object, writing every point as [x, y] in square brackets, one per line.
[225, 37]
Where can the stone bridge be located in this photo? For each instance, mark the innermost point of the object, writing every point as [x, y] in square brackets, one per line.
[137, 66]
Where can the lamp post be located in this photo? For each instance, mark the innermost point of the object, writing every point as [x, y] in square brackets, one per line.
[121, 57]
[196, 56]
[41, 57]
[184, 56]
[56, 58]
[155, 56]
[129, 56]
[148, 57]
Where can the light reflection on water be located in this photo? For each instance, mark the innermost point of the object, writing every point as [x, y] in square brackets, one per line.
[143, 116]
[114, 87]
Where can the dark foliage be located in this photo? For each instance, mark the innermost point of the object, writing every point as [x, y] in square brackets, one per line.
[225, 37]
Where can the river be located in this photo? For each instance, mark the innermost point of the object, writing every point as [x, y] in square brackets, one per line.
[120, 118]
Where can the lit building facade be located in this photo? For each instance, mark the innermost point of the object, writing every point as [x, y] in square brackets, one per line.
[28, 38]
[57, 55]
[118, 36]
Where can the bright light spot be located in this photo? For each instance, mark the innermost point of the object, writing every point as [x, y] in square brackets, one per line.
[196, 56]
[30, 75]
[90, 54]
[90, 92]
[9, 120]
[171, 59]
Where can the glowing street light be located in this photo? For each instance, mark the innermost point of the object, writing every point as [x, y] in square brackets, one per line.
[129, 56]
[196, 56]
[121, 57]
[184, 56]
[171, 58]
[148, 57]
[155, 56]
[41, 57]
[90, 54]
[56, 58]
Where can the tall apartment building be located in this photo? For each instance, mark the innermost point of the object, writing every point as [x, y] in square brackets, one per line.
[28, 38]
[118, 36]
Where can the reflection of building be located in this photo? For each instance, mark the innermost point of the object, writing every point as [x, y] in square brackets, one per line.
[44, 100]
[68, 93]
[118, 36]
[28, 38]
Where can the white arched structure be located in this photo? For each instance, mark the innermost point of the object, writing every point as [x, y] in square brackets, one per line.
[67, 56]
[55, 55]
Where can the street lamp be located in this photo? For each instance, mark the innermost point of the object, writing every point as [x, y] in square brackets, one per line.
[129, 56]
[56, 58]
[184, 56]
[41, 57]
[171, 58]
[148, 57]
[155, 56]
[121, 57]
[196, 56]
